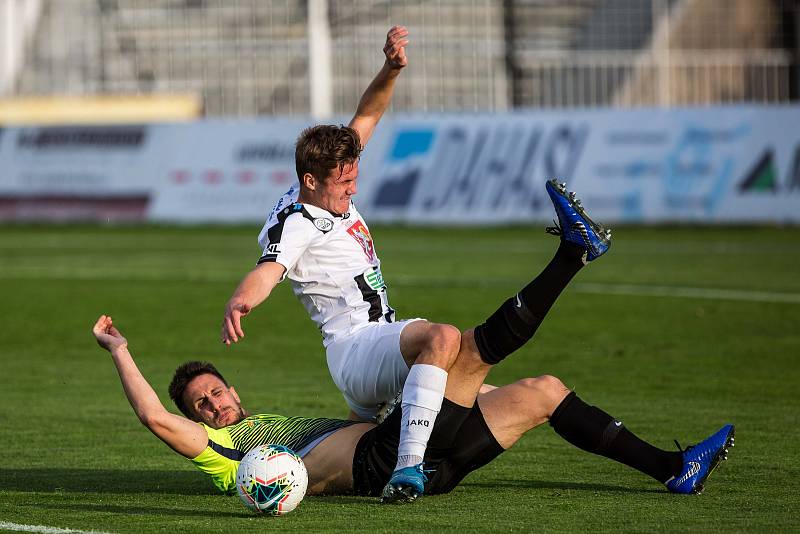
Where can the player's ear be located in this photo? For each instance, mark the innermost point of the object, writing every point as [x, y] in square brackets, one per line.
[235, 395]
[309, 182]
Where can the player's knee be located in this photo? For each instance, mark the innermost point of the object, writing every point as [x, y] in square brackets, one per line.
[444, 341]
[546, 392]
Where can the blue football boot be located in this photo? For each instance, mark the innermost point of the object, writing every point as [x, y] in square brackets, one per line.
[574, 225]
[405, 485]
[700, 460]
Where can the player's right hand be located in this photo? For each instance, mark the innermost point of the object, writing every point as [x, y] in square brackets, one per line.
[232, 324]
[107, 335]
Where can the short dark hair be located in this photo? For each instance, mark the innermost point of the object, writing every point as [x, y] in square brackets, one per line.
[183, 375]
[322, 148]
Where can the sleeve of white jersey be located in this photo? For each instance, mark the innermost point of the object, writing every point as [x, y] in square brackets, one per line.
[284, 240]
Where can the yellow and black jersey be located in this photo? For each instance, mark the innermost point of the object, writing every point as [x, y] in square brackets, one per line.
[228, 445]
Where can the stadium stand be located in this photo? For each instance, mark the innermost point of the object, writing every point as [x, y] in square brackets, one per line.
[251, 57]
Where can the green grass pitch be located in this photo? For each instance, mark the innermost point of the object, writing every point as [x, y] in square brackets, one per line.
[676, 331]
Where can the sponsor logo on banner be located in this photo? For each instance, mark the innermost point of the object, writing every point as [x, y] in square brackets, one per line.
[762, 177]
[483, 170]
[679, 168]
[637, 137]
[793, 181]
[700, 168]
[360, 233]
[82, 137]
[266, 152]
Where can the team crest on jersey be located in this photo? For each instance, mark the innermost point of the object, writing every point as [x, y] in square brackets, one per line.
[360, 233]
[323, 224]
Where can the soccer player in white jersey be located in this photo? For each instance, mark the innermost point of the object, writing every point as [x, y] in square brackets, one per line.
[316, 237]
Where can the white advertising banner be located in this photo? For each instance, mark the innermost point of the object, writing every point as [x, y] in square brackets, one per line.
[80, 172]
[737, 164]
[725, 164]
[82, 160]
[227, 171]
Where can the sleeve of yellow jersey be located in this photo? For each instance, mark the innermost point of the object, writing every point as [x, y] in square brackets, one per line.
[221, 469]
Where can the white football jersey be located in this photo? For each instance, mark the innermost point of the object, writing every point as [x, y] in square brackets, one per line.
[331, 262]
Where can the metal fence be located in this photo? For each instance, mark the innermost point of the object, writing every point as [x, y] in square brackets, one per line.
[251, 57]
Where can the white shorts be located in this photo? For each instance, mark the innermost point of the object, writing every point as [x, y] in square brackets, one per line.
[368, 367]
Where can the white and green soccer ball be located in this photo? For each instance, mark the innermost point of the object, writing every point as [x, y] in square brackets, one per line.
[271, 479]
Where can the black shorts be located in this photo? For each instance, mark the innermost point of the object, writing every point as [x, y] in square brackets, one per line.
[472, 447]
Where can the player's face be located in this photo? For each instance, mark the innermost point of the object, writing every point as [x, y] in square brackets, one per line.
[212, 402]
[333, 193]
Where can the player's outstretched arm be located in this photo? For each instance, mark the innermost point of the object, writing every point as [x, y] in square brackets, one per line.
[376, 98]
[254, 289]
[182, 435]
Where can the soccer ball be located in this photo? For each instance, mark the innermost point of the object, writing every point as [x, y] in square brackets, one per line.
[271, 479]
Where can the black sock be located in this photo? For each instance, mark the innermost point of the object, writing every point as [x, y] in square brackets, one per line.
[516, 321]
[593, 430]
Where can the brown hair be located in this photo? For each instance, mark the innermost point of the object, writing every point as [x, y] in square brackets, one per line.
[183, 375]
[322, 148]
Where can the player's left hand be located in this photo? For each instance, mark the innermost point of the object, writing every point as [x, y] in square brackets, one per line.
[107, 335]
[395, 48]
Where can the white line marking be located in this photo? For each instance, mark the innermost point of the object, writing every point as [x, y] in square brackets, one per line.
[619, 289]
[160, 244]
[41, 528]
[640, 290]
[688, 292]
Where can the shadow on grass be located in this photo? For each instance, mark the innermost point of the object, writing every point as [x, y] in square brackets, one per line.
[147, 510]
[348, 499]
[106, 481]
[191, 483]
[559, 485]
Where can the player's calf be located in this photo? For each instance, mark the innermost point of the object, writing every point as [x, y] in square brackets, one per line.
[519, 317]
[516, 321]
[593, 430]
[506, 330]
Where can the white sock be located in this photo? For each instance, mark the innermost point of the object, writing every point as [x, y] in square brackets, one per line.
[422, 399]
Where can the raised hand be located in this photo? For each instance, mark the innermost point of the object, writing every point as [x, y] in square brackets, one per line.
[395, 48]
[107, 335]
